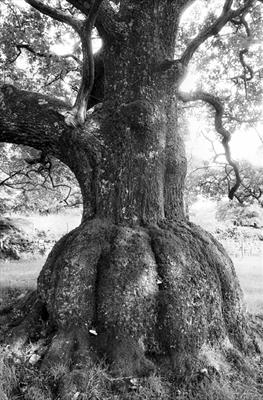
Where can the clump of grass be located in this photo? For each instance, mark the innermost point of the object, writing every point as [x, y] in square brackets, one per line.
[9, 295]
[8, 376]
[153, 387]
[214, 390]
[239, 382]
[19, 379]
[37, 392]
[85, 384]
[57, 372]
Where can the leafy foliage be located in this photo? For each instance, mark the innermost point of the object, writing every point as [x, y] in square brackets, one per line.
[251, 215]
[29, 47]
[218, 67]
[213, 181]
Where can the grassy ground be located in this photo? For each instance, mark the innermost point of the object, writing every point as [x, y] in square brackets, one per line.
[250, 273]
[21, 379]
[21, 274]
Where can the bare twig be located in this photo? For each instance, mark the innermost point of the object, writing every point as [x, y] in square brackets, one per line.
[25, 180]
[40, 54]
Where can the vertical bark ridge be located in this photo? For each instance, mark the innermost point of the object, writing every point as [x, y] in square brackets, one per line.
[142, 170]
[200, 298]
[67, 283]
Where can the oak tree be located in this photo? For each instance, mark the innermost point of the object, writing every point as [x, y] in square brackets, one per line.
[136, 272]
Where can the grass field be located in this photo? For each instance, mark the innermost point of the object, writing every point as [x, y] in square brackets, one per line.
[250, 272]
[20, 274]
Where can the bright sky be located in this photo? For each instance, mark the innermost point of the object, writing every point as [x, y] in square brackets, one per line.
[21, 4]
[245, 144]
[67, 46]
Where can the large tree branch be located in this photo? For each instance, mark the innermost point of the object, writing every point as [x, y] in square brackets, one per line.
[36, 120]
[227, 15]
[31, 119]
[78, 113]
[223, 132]
[55, 14]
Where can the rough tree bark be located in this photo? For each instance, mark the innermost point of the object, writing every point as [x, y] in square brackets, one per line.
[153, 285]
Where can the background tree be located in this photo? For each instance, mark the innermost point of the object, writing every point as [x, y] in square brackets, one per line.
[214, 182]
[31, 183]
[150, 284]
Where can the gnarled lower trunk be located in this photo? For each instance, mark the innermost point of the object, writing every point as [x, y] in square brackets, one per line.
[165, 290]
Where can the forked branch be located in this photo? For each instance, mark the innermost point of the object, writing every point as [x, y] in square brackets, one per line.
[36, 120]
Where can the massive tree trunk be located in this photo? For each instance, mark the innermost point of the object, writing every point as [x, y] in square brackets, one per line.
[151, 284]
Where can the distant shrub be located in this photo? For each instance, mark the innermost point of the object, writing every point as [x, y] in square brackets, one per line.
[239, 214]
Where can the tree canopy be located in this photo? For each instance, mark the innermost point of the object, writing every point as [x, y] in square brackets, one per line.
[41, 51]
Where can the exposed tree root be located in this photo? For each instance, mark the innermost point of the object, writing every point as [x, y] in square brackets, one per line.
[25, 321]
[60, 350]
